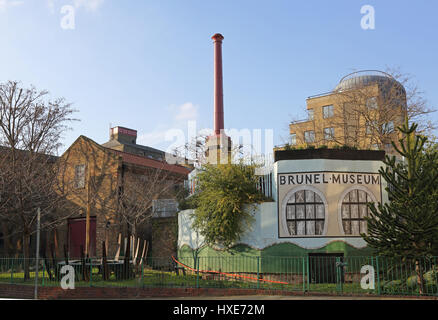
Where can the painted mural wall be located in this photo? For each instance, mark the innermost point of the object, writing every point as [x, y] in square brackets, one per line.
[318, 206]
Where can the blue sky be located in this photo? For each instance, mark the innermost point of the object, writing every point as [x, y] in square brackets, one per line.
[148, 65]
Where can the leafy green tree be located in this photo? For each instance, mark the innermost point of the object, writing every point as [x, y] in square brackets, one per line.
[221, 216]
[407, 226]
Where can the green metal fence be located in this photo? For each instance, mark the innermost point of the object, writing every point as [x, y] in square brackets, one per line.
[323, 274]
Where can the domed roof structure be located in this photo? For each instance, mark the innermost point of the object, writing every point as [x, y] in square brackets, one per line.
[368, 77]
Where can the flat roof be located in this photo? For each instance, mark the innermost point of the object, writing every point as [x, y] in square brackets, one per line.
[336, 154]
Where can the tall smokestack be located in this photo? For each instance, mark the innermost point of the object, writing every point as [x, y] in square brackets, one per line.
[218, 85]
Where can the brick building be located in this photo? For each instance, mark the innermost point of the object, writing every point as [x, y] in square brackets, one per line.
[95, 179]
[363, 111]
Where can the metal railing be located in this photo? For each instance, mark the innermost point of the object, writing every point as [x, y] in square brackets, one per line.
[314, 273]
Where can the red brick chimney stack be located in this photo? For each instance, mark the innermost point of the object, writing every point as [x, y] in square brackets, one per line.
[218, 85]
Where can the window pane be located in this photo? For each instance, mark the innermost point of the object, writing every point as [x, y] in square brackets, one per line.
[329, 133]
[79, 181]
[309, 136]
[300, 212]
[353, 196]
[346, 225]
[290, 212]
[310, 196]
[354, 211]
[327, 111]
[363, 227]
[291, 227]
[319, 227]
[345, 211]
[372, 103]
[362, 196]
[300, 196]
[291, 199]
[310, 212]
[310, 227]
[301, 227]
[363, 208]
[355, 227]
[320, 211]
[293, 139]
[318, 198]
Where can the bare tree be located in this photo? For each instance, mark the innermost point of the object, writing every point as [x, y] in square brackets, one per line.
[194, 150]
[31, 128]
[366, 115]
[144, 190]
[418, 108]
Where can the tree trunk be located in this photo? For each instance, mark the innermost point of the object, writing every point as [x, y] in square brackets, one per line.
[134, 243]
[105, 270]
[55, 241]
[85, 271]
[126, 261]
[19, 247]
[420, 277]
[6, 240]
[26, 252]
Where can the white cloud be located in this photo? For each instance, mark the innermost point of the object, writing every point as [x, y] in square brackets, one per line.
[89, 5]
[186, 111]
[5, 4]
[180, 116]
[154, 138]
[51, 5]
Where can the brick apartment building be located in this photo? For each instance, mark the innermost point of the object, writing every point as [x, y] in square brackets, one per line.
[363, 111]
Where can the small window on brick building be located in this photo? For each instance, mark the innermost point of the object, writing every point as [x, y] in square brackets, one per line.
[327, 111]
[329, 133]
[80, 176]
[309, 136]
[372, 103]
[293, 139]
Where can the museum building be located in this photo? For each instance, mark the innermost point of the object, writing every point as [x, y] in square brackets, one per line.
[319, 196]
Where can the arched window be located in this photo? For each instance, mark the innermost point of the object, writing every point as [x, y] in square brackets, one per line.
[305, 213]
[354, 209]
